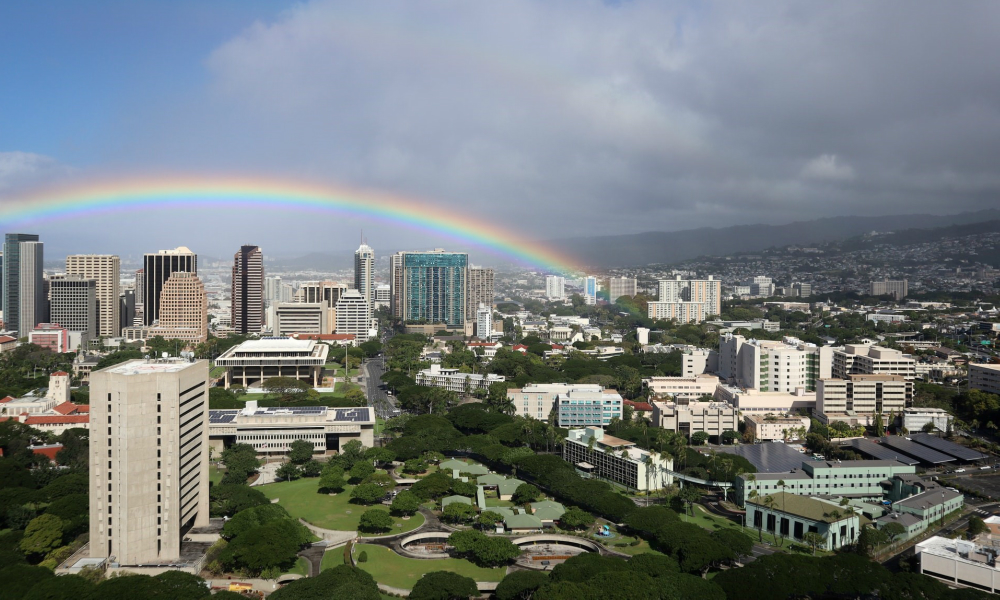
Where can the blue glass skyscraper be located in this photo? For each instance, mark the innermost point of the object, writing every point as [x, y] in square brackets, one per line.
[434, 287]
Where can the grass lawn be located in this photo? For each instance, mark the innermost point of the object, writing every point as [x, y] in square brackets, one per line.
[379, 425]
[217, 372]
[392, 569]
[332, 558]
[301, 567]
[215, 474]
[302, 501]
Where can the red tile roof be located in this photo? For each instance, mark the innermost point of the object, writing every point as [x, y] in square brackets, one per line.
[48, 451]
[61, 374]
[66, 408]
[7, 399]
[640, 406]
[6, 338]
[82, 409]
[57, 420]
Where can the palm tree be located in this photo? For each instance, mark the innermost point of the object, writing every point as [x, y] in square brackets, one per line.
[648, 461]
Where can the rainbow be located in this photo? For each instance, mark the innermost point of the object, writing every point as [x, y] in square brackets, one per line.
[119, 195]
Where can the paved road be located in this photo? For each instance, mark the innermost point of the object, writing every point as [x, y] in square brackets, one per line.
[377, 397]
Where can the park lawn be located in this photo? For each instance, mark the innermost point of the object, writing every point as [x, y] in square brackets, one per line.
[301, 567]
[217, 372]
[331, 559]
[391, 569]
[215, 475]
[302, 501]
[379, 425]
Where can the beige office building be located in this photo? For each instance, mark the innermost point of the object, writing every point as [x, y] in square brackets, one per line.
[690, 388]
[148, 459]
[480, 291]
[985, 378]
[859, 398]
[183, 312]
[303, 318]
[105, 269]
[767, 428]
[691, 417]
[863, 359]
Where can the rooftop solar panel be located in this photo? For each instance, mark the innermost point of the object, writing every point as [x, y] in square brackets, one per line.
[768, 457]
[881, 452]
[951, 448]
[915, 450]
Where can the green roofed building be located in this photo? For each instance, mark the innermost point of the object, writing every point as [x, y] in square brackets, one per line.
[453, 499]
[522, 522]
[463, 467]
[792, 516]
[548, 511]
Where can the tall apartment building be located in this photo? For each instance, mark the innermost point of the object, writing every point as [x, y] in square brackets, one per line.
[383, 296]
[24, 299]
[687, 301]
[863, 359]
[621, 286]
[73, 304]
[148, 459]
[156, 270]
[857, 399]
[898, 289]
[590, 289]
[300, 317]
[396, 285]
[105, 270]
[434, 287]
[985, 378]
[484, 322]
[555, 287]
[772, 366]
[248, 290]
[802, 290]
[364, 274]
[354, 315]
[140, 298]
[275, 291]
[480, 291]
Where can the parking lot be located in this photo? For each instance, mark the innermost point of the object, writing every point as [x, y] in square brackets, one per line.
[986, 485]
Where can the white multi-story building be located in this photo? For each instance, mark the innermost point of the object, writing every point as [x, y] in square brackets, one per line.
[575, 404]
[555, 287]
[884, 317]
[148, 459]
[73, 304]
[300, 317]
[863, 359]
[772, 366]
[687, 418]
[272, 430]
[687, 387]
[353, 315]
[254, 361]
[618, 460]
[985, 378]
[762, 287]
[766, 428]
[590, 290]
[687, 301]
[915, 419]
[621, 286]
[699, 360]
[897, 289]
[960, 563]
[364, 276]
[484, 322]
[750, 400]
[859, 398]
[452, 380]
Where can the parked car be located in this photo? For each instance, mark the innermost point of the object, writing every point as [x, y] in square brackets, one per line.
[960, 470]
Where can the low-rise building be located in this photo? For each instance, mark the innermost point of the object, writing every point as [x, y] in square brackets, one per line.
[858, 479]
[453, 380]
[915, 419]
[254, 361]
[792, 516]
[985, 378]
[753, 401]
[580, 408]
[7, 343]
[51, 336]
[690, 388]
[959, 562]
[766, 428]
[687, 418]
[596, 454]
[489, 349]
[272, 430]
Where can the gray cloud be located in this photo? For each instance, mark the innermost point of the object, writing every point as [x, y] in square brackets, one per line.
[574, 117]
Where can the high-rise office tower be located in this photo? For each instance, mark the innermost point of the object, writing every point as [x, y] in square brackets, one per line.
[24, 299]
[354, 315]
[555, 287]
[157, 269]
[140, 296]
[590, 289]
[480, 291]
[73, 304]
[148, 458]
[621, 286]
[183, 308]
[396, 285]
[248, 290]
[434, 286]
[364, 276]
[126, 307]
[105, 270]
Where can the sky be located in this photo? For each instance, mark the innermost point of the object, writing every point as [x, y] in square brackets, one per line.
[554, 118]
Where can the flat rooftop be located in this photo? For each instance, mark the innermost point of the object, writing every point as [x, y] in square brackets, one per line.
[147, 367]
[276, 345]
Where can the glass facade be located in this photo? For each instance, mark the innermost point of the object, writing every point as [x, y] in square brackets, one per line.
[434, 287]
